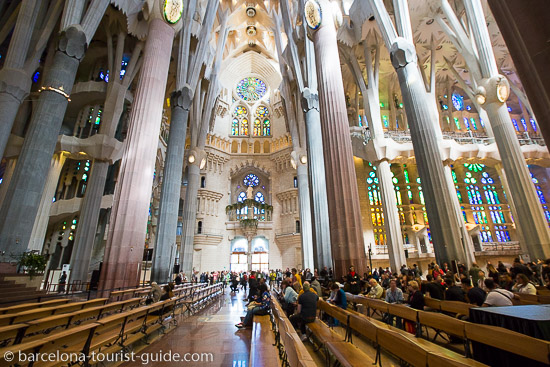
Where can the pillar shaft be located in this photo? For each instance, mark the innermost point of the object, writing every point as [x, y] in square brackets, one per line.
[8, 173]
[444, 225]
[128, 224]
[41, 223]
[165, 246]
[24, 193]
[305, 217]
[318, 187]
[87, 223]
[343, 198]
[392, 226]
[529, 215]
[189, 218]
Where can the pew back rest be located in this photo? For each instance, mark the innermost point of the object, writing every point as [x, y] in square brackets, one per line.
[456, 307]
[511, 341]
[403, 311]
[437, 321]
[364, 327]
[432, 303]
[402, 347]
[377, 304]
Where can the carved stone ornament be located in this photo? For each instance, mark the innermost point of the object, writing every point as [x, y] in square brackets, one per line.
[182, 98]
[310, 100]
[313, 14]
[402, 52]
[72, 42]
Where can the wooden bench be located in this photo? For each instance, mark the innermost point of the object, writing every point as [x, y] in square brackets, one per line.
[29, 306]
[510, 341]
[262, 343]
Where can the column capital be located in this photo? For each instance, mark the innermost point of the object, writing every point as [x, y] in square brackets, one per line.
[72, 42]
[15, 82]
[402, 53]
[310, 100]
[182, 98]
[197, 157]
[495, 89]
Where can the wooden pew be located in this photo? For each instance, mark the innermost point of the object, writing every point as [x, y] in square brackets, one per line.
[510, 341]
[29, 306]
[441, 323]
[456, 307]
[262, 350]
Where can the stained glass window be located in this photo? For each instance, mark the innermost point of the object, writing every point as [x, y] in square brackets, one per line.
[251, 89]
[259, 197]
[244, 127]
[251, 180]
[524, 124]
[515, 122]
[241, 197]
[267, 127]
[239, 124]
[385, 121]
[235, 127]
[262, 111]
[533, 124]
[257, 127]
[458, 101]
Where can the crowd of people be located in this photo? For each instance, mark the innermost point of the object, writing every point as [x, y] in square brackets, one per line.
[299, 290]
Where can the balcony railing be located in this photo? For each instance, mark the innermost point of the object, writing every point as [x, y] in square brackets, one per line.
[500, 246]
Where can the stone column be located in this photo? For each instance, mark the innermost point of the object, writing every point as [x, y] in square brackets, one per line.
[305, 215]
[24, 193]
[41, 222]
[89, 215]
[346, 232]
[392, 226]
[495, 91]
[444, 225]
[171, 187]
[8, 173]
[128, 224]
[15, 84]
[190, 214]
[466, 239]
[318, 188]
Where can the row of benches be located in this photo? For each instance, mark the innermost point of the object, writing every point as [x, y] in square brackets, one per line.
[86, 331]
[292, 351]
[501, 338]
[402, 345]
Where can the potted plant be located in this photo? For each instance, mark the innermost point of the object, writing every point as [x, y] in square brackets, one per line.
[33, 263]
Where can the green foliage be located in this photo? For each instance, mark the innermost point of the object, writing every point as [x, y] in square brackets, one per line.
[247, 204]
[249, 223]
[33, 263]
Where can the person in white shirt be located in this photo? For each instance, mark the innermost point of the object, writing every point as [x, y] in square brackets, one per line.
[523, 285]
[497, 296]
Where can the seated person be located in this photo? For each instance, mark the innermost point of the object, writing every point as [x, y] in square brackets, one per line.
[523, 285]
[258, 307]
[416, 299]
[474, 295]
[338, 296]
[497, 296]
[394, 295]
[167, 293]
[307, 309]
[434, 288]
[453, 292]
[289, 297]
[376, 291]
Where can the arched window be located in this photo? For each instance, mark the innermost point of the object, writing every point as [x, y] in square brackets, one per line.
[262, 125]
[203, 182]
[239, 125]
[241, 197]
[297, 226]
[199, 227]
[259, 197]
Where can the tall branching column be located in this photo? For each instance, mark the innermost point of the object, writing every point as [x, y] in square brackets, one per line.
[128, 224]
[164, 253]
[318, 187]
[343, 199]
[444, 225]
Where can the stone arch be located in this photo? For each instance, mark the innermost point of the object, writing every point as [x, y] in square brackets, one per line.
[267, 147]
[244, 147]
[257, 147]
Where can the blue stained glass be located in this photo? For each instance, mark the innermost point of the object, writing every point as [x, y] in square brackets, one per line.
[369, 180]
[458, 101]
[499, 239]
[475, 218]
[251, 180]
[251, 89]
[524, 124]
[509, 109]
[533, 124]
[241, 197]
[466, 123]
[473, 121]
[489, 236]
[468, 108]
[259, 197]
[515, 124]
[501, 217]
[484, 235]
[35, 77]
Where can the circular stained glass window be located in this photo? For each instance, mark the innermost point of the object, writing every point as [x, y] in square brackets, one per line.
[251, 89]
[262, 111]
[458, 101]
[251, 180]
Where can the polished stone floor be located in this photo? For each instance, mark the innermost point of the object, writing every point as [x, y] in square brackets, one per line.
[211, 330]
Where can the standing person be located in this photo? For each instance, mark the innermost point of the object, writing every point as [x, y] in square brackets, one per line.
[296, 278]
[244, 282]
[307, 310]
[474, 274]
[253, 285]
[62, 282]
[279, 277]
[354, 281]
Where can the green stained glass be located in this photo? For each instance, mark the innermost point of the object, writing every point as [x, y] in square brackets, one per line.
[457, 123]
[251, 89]
[395, 180]
[418, 180]
[235, 127]
[240, 110]
[406, 173]
[454, 176]
[385, 121]
[421, 196]
[257, 127]
[267, 127]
